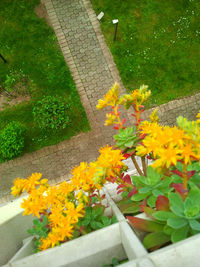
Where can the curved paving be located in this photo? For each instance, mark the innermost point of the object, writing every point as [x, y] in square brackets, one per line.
[93, 69]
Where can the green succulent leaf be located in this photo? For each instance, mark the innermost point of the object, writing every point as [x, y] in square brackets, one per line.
[126, 138]
[151, 201]
[177, 223]
[176, 204]
[163, 215]
[155, 239]
[195, 225]
[139, 197]
[180, 234]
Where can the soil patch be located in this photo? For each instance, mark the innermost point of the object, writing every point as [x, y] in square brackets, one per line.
[41, 12]
[6, 102]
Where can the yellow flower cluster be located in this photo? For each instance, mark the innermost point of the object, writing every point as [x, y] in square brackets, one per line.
[110, 99]
[136, 97]
[168, 145]
[64, 204]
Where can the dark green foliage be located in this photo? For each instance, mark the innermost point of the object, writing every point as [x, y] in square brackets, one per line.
[95, 219]
[40, 229]
[51, 113]
[12, 140]
[157, 44]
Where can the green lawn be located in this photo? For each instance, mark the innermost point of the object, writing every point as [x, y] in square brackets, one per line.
[158, 44]
[30, 45]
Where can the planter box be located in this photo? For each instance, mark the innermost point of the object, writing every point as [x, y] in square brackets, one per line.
[184, 253]
[13, 229]
[94, 249]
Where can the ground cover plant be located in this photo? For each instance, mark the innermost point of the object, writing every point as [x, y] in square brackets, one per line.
[36, 68]
[158, 44]
[168, 190]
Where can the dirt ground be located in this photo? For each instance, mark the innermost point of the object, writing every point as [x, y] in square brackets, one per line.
[41, 12]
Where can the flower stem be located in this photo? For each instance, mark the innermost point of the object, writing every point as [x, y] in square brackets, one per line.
[136, 165]
[144, 166]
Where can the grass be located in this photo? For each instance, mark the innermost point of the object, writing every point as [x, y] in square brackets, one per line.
[158, 44]
[30, 45]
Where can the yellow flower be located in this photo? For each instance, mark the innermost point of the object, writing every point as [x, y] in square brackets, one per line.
[154, 116]
[18, 187]
[32, 181]
[111, 98]
[74, 213]
[110, 119]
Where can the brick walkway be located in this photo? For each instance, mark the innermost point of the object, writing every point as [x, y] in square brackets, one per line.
[94, 71]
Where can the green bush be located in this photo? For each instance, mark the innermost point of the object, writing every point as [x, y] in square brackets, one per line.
[12, 140]
[51, 113]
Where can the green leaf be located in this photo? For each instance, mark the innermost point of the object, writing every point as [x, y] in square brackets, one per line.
[115, 262]
[96, 225]
[194, 167]
[153, 176]
[106, 221]
[145, 225]
[176, 204]
[151, 201]
[130, 208]
[144, 190]
[97, 211]
[139, 197]
[168, 230]
[195, 225]
[155, 239]
[179, 234]
[177, 223]
[163, 215]
[194, 195]
[113, 219]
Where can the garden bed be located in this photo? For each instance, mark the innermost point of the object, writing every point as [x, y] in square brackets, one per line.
[30, 47]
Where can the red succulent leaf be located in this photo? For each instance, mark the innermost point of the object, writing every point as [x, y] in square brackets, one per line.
[116, 127]
[144, 225]
[123, 121]
[143, 204]
[120, 186]
[179, 188]
[133, 192]
[177, 172]
[190, 174]
[133, 115]
[127, 179]
[103, 196]
[162, 203]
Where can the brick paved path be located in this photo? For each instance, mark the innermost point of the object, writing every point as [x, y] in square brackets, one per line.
[94, 71]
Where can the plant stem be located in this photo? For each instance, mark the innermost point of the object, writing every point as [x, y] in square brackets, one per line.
[144, 166]
[136, 165]
[185, 178]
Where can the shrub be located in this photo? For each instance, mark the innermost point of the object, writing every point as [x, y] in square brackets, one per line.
[51, 113]
[12, 140]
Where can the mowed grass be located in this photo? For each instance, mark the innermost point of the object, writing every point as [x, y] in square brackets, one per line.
[30, 45]
[158, 44]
